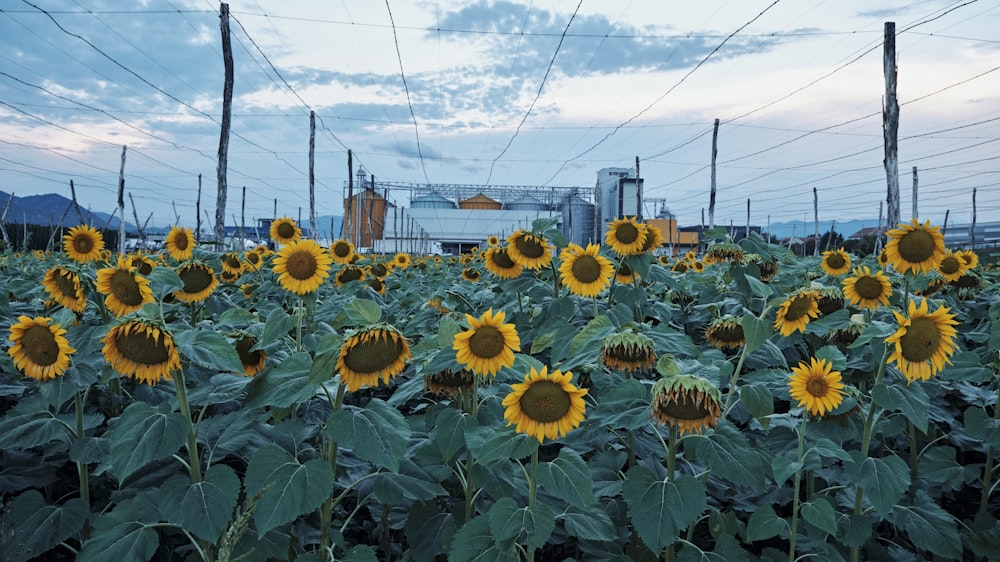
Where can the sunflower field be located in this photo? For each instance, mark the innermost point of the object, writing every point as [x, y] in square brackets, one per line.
[530, 400]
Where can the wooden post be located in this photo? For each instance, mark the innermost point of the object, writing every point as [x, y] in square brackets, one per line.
[890, 123]
[972, 229]
[135, 215]
[878, 231]
[197, 212]
[275, 215]
[177, 216]
[816, 222]
[915, 215]
[72, 193]
[312, 173]
[52, 235]
[243, 220]
[711, 198]
[350, 197]
[747, 234]
[121, 204]
[3, 219]
[638, 192]
[227, 111]
[944, 229]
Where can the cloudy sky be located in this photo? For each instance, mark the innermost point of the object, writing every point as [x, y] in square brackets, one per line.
[504, 92]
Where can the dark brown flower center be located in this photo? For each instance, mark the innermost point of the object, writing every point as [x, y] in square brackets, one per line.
[349, 274]
[529, 246]
[799, 307]
[180, 241]
[232, 261]
[921, 340]
[40, 345]
[586, 269]
[628, 353]
[627, 233]
[835, 261]
[545, 401]
[247, 357]
[66, 282]
[285, 230]
[916, 246]
[141, 347]
[373, 355]
[301, 265]
[125, 288]
[471, 274]
[950, 265]
[341, 250]
[83, 243]
[728, 332]
[195, 278]
[487, 342]
[868, 288]
[502, 260]
[817, 386]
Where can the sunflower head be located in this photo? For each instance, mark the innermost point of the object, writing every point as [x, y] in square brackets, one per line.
[924, 342]
[698, 266]
[689, 403]
[342, 251]
[529, 250]
[180, 243]
[349, 273]
[251, 359]
[450, 384]
[39, 348]
[437, 303]
[232, 263]
[626, 237]
[63, 286]
[142, 264]
[654, 239]
[545, 405]
[489, 343]
[141, 349]
[831, 299]
[680, 267]
[83, 244]
[816, 386]
[725, 332]
[663, 260]
[951, 267]
[836, 262]
[585, 271]
[627, 351]
[866, 289]
[499, 263]
[492, 241]
[302, 266]
[471, 274]
[376, 284]
[373, 354]
[379, 269]
[125, 291]
[914, 247]
[724, 252]
[970, 258]
[199, 282]
[796, 312]
[228, 276]
[285, 231]
[401, 260]
[253, 260]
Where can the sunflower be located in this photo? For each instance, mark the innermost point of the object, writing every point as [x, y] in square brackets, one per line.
[180, 243]
[924, 341]
[379, 269]
[375, 284]
[372, 354]
[796, 312]
[816, 386]
[627, 351]
[83, 244]
[626, 237]
[585, 271]
[348, 274]
[471, 274]
[435, 302]
[342, 251]
[624, 274]
[836, 262]
[724, 252]
[545, 404]
[829, 299]
[663, 260]
[698, 266]
[402, 260]
[39, 348]
[492, 241]
[935, 285]
[448, 383]
[654, 238]
[302, 266]
[866, 289]
[690, 255]
[247, 289]
[725, 332]
[64, 286]
[199, 282]
[883, 258]
[232, 263]
[680, 267]
[488, 344]
[139, 349]
[251, 359]
[970, 258]
[951, 266]
[228, 277]
[142, 263]
[285, 231]
[529, 250]
[686, 402]
[914, 247]
[253, 260]
[125, 291]
[498, 263]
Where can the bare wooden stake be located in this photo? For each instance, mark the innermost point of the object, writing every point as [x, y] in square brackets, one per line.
[135, 215]
[121, 204]
[711, 198]
[816, 222]
[312, 173]
[72, 193]
[915, 215]
[972, 228]
[638, 192]
[243, 219]
[747, 234]
[197, 212]
[227, 110]
[350, 198]
[890, 123]
[944, 229]
[3, 219]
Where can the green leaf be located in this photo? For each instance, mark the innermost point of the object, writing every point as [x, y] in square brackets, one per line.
[764, 523]
[504, 445]
[409, 485]
[126, 541]
[591, 525]
[377, 433]
[624, 406]
[939, 464]
[883, 479]
[208, 349]
[568, 478]
[820, 514]
[474, 542]
[448, 327]
[855, 530]
[23, 430]
[426, 529]
[289, 487]
[967, 366]
[910, 399]
[730, 455]
[36, 527]
[276, 326]
[363, 312]
[360, 553]
[286, 384]
[755, 331]
[142, 435]
[660, 510]
[508, 521]
[449, 433]
[828, 450]
[164, 281]
[759, 288]
[929, 527]
[758, 400]
[597, 329]
[782, 467]
[221, 388]
[205, 508]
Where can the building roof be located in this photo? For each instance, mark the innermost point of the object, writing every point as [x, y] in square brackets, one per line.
[870, 231]
[461, 225]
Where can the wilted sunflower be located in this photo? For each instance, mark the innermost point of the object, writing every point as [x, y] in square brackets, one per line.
[624, 273]
[125, 291]
[680, 267]
[725, 332]
[585, 271]
[829, 299]
[375, 284]
[836, 262]
[379, 269]
[545, 404]
[342, 251]
[914, 247]
[654, 238]
[302, 266]
[934, 286]
[796, 312]
[39, 348]
[349, 273]
[493, 240]
[698, 266]
[372, 354]
[625, 236]
[232, 263]
[228, 277]
[285, 231]
[816, 386]
[627, 351]
[724, 252]
[529, 250]
[180, 243]
[435, 303]
[970, 258]
[498, 263]
[251, 359]
[199, 282]
[142, 263]
[951, 266]
[401, 260]
[64, 286]
[663, 260]
[83, 244]
[488, 344]
[247, 289]
[866, 289]
[689, 403]
[471, 274]
[139, 349]
[924, 341]
[253, 260]
[452, 384]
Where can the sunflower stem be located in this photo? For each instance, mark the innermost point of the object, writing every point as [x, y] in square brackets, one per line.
[555, 279]
[194, 466]
[532, 486]
[796, 500]
[470, 485]
[81, 467]
[984, 500]
[733, 380]
[326, 510]
[673, 441]
[866, 439]
[299, 312]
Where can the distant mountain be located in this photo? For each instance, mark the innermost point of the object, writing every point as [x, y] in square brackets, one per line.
[49, 208]
[803, 229]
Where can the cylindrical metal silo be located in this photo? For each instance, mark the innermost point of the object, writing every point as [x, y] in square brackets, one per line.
[480, 201]
[577, 220]
[526, 203]
[431, 201]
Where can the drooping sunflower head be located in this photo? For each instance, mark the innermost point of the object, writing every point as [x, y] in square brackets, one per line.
[654, 238]
[498, 262]
[951, 266]
[180, 243]
[624, 274]
[83, 244]
[545, 405]
[725, 332]
[914, 247]
[680, 267]
[227, 276]
[39, 348]
[379, 269]
[376, 284]
[529, 250]
[970, 258]
[436, 302]
[450, 384]
[796, 312]
[142, 350]
[232, 263]
[142, 263]
[768, 267]
[724, 252]
[924, 342]
[626, 237]
[585, 271]
[373, 354]
[689, 403]
[251, 359]
[934, 286]
[866, 289]
[342, 251]
[816, 386]
[836, 262]
[125, 291]
[63, 286]
[349, 273]
[253, 260]
[302, 266]
[199, 282]
[489, 343]
[831, 298]
[471, 274]
[285, 231]
[628, 351]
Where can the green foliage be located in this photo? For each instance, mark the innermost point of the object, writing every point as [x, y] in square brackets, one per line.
[287, 488]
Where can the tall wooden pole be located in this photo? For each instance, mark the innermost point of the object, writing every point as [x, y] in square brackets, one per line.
[915, 215]
[197, 212]
[890, 124]
[711, 198]
[72, 193]
[3, 219]
[121, 204]
[944, 229]
[638, 192]
[878, 231]
[243, 219]
[816, 222]
[312, 174]
[972, 228]
[747, 235]
[227, 111]
[350, 197]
